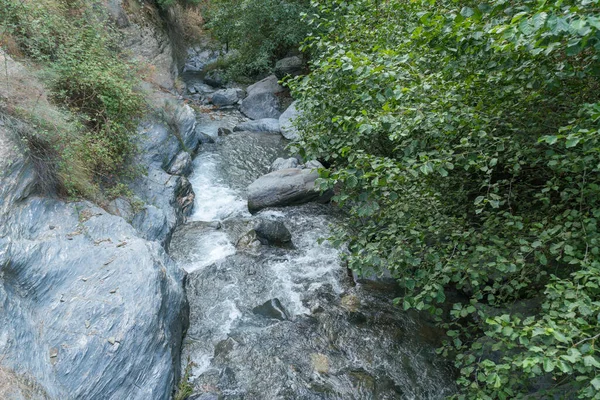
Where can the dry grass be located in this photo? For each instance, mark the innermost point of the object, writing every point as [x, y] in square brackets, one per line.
[192, 23]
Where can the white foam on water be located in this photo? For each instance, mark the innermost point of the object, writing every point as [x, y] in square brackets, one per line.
[215, 201]
[210, 248]
[317, 265]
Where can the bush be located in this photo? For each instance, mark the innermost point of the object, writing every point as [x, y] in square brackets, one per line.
[464, 140]
[78, 51]
[260, 31]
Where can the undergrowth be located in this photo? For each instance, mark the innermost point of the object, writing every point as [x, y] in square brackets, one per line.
[76, 51]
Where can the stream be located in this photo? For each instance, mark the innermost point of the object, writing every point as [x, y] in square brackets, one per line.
[276, 323]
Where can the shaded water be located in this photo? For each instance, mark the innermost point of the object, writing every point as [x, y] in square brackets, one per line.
[338, 341]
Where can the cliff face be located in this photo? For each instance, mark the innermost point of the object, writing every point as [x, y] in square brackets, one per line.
[91, 306]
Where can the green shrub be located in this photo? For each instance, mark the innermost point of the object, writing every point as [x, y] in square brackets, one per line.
[464, 142]
[260, 31]
[78, 50]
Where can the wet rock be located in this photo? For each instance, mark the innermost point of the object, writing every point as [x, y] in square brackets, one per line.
[203, 137]
[226, 97]
[320, 363]
[185, 118]
[182, 165]
[284, 163]
[224, 347]
[267, 125]
[272, 309]
[288, 130]
[350, 302]
[248, 242]
[293, 66]
[273, 233]
[184, 195]
[222, 131]
[260, 105]
[268, 85]
[286, 187]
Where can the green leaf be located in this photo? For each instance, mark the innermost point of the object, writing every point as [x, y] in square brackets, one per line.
[548, 365]
[572, 142]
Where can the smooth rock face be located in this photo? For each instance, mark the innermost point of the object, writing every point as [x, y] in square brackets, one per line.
[286, 187]
[89, 309]
[273, 233]
[289, 66]
[288, 130]
[268, 85]
[182, 165]
[268, 125]
[226, 97]
[284, 163]
[260, 105]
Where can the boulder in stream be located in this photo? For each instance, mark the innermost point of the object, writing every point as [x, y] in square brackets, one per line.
[273, 233]
[260, 105]
[272, 309]
[267, 125]
[286, 187]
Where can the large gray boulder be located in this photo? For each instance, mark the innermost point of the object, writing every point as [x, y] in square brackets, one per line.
[89, 309]
[226, 97]
[267, 125]
[273, 233]
[261, 105]
[268, 85]
[286, 187]
[286, 123]
[289, 66]
[182, 164]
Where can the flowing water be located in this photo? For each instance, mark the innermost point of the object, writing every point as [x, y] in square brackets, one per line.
[323, 337]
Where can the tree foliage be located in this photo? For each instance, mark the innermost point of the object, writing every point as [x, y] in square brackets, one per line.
[464, 143]
[259, 31]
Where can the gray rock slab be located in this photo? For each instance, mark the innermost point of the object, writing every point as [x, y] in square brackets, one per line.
[260, 105]
[286, 187]
[89, 309]
[267, 125]
[268, 85]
